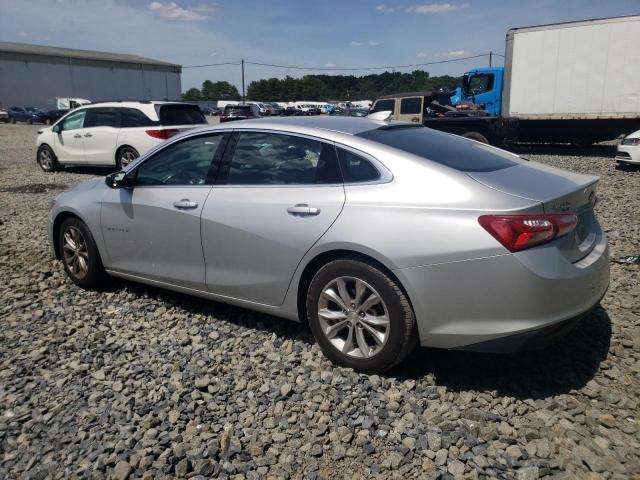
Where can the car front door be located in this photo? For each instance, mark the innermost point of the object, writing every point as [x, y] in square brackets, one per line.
[100, 134]
[410, 109]
[152, 230]
[276, 195]
[69, 140]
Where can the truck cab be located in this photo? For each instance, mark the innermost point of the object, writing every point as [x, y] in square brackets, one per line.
[482, 87]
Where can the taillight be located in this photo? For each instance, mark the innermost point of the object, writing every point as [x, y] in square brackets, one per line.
[518, 232]
[162, 134]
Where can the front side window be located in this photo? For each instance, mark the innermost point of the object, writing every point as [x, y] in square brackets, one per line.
[101, 117]
[74, 121]
[184, 163]
[356, 169]
[384, 105]
[480, 83]
[411, 106]
[275, 159]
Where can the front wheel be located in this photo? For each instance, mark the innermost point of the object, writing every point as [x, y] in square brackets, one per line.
[80, 254]
[359, 316]
[47, 159]
[125, 156]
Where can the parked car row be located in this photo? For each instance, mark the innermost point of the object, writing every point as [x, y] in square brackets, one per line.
[30, 115]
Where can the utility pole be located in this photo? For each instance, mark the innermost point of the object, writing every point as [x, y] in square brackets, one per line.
[490, 57]
[243, 80]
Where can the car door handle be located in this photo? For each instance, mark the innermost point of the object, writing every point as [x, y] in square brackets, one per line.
[87, 135]
[77, 135]
[185, 204]
[303, 209]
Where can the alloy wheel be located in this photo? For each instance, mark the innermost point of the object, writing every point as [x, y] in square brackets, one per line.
[353, 317]
[76, 255]
[46, 162]
[126, 158]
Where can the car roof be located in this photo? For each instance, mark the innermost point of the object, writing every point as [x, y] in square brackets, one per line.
[309, 125]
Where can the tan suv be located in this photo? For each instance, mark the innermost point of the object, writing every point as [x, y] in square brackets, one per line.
[434, 110]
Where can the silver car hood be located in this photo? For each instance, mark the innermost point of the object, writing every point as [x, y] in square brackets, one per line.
[88, 184]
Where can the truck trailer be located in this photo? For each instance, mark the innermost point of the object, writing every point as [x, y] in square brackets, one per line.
[575, 82]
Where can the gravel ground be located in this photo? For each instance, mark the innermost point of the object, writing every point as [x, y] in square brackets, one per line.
[140, 382]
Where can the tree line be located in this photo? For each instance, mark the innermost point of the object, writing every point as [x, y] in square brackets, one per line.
[324, 87]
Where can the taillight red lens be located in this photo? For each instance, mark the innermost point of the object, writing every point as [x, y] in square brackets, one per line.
[162, 134]
[518, 232]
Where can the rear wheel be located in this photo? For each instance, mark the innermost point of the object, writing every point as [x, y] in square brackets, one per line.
[80, 254]
[478, 137]
[125, 156]
[47, 159]
[359, 316]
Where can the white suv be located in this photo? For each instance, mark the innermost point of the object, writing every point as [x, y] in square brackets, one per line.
[112, 133]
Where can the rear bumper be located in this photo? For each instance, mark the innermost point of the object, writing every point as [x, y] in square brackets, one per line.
[503, 302]
[531, 340]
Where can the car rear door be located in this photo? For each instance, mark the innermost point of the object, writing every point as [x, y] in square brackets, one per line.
[275, 197]
[69, 141]
[153, 229]
[100, 135]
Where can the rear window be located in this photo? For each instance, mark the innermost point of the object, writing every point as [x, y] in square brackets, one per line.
[443, 148]
[180, 115]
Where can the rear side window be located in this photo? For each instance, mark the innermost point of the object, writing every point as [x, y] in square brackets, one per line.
[101, 117]
[384, 105]
[443, 148]
[275, 159]
[132, 117]
[356, 168]
[181, 115]
[411, 105]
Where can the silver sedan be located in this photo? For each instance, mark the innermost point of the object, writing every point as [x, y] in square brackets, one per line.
[379, 235]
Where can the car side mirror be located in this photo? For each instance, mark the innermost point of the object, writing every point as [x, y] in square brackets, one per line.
[119, 180]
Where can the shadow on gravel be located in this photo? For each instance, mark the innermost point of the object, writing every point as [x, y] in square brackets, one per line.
[568, 364]
[563, 150]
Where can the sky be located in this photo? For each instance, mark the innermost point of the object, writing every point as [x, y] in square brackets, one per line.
[329, 34]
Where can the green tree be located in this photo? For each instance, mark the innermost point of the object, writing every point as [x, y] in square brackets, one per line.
[221, 90]
[192, 95]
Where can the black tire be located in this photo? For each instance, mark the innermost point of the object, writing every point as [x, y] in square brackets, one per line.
[47, 159]
[402, 332]
[125, 156]
[478, 137]
[94, 276]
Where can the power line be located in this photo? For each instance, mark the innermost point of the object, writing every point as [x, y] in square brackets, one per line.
[212, 65]
[352, 69]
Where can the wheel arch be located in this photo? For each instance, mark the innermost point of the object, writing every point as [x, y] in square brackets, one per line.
[322, 258]
[59, 218]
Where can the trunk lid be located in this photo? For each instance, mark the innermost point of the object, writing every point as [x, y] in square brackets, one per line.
[559, 191]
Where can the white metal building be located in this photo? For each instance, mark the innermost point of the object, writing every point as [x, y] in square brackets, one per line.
[34, 75]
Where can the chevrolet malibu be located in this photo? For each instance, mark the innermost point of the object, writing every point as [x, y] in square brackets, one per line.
[380, 235]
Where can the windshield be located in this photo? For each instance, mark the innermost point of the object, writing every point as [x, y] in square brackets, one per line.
[443, 148]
